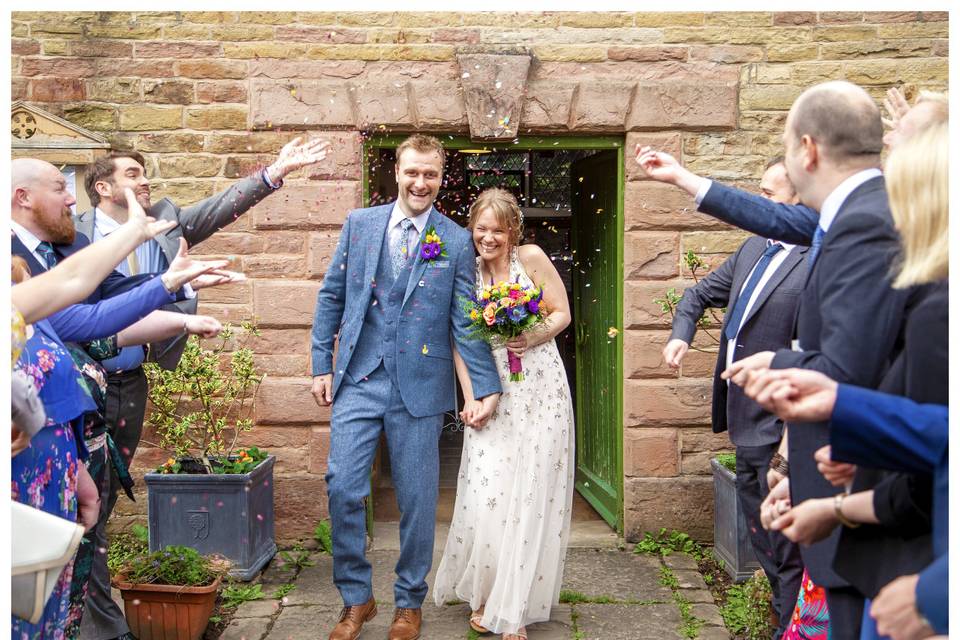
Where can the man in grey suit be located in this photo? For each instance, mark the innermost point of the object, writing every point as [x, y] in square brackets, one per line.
[759, 285]
[105, 182]
[395, 313]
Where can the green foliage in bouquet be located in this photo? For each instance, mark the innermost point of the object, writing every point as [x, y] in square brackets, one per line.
[200, 409]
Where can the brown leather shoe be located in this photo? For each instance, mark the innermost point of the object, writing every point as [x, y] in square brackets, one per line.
[406, 625]
[352, 619]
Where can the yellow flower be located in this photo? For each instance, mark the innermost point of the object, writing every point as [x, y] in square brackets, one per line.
[425, 351]
[169, 462]
[485, 295]
[474, 314]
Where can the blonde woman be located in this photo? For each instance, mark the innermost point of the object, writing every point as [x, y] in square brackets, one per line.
[505, 550]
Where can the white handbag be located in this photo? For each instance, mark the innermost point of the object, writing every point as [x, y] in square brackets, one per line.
[43, 544]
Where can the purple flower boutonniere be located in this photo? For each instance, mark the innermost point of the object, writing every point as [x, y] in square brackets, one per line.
[432, 246]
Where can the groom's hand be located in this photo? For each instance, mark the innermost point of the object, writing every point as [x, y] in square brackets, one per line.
[323, 389]
[488, 405]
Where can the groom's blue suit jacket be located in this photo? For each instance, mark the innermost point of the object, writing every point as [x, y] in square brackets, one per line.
[430, 318]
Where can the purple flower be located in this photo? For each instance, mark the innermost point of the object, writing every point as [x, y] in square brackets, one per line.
[517, 314]
[533, 306]
[429, 251]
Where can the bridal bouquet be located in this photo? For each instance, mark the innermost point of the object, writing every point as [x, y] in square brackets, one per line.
[502, 311]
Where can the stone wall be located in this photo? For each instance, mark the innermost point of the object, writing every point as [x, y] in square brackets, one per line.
[208, 96]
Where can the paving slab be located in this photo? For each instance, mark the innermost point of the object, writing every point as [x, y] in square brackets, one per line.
[315, 585]
[680, 562]
[622, 575]
[246, 629]
[698, 595]
[714, 633]
[258, 609]
[690, 579]
[709, 613]
[628, 622]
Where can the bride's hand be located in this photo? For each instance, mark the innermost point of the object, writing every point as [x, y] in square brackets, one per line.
[470, 410]
[518, 345]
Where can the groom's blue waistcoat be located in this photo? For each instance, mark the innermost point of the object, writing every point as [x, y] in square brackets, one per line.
[378, 337]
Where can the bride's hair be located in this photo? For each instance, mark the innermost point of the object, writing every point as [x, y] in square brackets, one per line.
[504, 208]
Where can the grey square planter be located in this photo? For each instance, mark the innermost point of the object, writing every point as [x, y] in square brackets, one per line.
[227, 514]
[731, 540]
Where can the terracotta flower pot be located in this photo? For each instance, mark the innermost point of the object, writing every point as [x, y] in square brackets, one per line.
[167, 612]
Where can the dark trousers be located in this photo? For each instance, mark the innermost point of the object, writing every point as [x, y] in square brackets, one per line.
[846, 612]
[779, 557]
[125, 406]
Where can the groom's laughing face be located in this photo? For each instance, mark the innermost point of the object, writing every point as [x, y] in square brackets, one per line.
[419, 176]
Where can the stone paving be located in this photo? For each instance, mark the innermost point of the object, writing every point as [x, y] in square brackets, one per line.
[615, 595]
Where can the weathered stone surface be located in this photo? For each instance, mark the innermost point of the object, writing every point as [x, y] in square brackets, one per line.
[62, 67]
[319, 449]
[308, 206]
[386, 105]
[701, 105]
[217, 118]
[648, 53]
[57, 89]
[214, 69]
[137, 118]
[651, 453]
[301, 104]
[321, 249]
[651, 255]
[547, 106]
[708, 613]
[653, 205]
[684, 504]
[668, 142]
[680, 562]
[626, 622]
[222, 91]
[621, 575]
[281, 341]
[273, 265]
[601, 106]
[438, 104]
[679, 402]
[300, 501]
[280, 69]
[113, 89]
[703, 242]
[257, 609]
[284, 304]
[726, 54]
[493, 88]
[246, 629]
[191, 166]
[176, 50]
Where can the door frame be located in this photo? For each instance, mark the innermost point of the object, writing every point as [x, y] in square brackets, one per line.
[535, 143]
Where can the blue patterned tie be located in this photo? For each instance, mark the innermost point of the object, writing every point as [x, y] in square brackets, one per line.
[815, 247]
[402, 247]
[45, 249]
[733, 326]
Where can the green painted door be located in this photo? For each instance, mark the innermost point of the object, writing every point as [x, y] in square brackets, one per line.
[597, 299]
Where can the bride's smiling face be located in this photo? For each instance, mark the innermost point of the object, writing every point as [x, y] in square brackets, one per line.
[491, 238]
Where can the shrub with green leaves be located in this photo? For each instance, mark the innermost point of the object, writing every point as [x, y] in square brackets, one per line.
[236, 594]
[728, 461]
[664, 543]
[201, 408]
[126, 545]
[746, 611]
[175, 565]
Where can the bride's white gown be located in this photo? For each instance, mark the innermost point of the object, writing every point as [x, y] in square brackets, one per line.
[511, 521]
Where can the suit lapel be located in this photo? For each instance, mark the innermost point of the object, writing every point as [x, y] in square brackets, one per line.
[375, 245]
[434, 220]
[17, 248]
[795, 258]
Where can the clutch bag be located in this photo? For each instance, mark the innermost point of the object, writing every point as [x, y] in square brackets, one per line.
[43, 544]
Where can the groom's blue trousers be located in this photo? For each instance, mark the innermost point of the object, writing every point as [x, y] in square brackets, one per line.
[361, 411]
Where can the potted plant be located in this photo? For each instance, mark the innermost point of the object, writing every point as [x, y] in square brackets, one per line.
[209, 494]
[169, 594]
[731, 539]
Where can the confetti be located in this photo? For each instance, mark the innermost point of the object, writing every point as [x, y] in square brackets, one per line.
[613, 332]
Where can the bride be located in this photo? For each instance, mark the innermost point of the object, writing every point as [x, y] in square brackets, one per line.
[505, 550]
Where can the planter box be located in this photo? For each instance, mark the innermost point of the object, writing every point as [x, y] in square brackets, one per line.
[731, 541]
[227, 514]
[167, 612]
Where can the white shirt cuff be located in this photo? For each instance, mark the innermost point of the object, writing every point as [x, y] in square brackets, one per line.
[702, 191]
[188, 292]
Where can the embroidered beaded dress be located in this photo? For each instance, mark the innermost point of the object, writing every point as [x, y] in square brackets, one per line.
[508, 538]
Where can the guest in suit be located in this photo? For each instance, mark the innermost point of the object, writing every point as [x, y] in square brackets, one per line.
[880, 430]
[895, 507]
[127, 385]
[759, 285]
[849, 318]
[393, 310]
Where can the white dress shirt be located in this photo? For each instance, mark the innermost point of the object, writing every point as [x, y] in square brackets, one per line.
[831, 205]
[775, 263]
[393, 227]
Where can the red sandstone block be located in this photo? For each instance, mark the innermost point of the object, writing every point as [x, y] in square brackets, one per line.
[679, 402]
[319, 449]
[308, 206]
[56, 90]
[651, 453]
[288, 401]
[284, 304]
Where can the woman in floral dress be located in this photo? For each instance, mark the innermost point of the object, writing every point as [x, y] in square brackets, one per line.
[507, 542]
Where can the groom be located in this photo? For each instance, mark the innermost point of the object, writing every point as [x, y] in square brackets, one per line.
[393, 311]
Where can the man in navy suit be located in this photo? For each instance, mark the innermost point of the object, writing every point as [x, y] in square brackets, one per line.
[849, 317]
[759, 285]
[395, 314]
